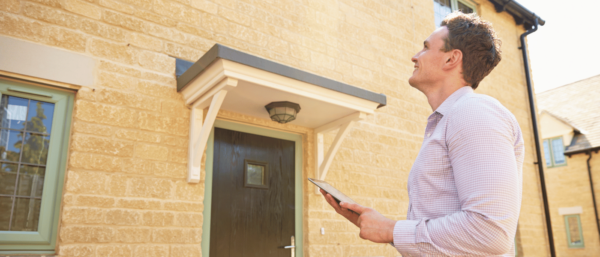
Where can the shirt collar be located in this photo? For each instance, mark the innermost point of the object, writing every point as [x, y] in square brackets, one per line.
[449, 102]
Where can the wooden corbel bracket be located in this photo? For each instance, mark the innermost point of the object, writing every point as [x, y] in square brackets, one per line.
[200, 127]
[323, 162]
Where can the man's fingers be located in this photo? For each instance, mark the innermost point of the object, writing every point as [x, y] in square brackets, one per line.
[354, 207]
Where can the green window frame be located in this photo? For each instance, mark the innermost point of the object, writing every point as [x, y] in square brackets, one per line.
[440, 12]
[580, 243]
[43, 241]
[554, 147]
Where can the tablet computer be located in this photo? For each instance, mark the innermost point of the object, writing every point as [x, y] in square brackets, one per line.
[337, 195]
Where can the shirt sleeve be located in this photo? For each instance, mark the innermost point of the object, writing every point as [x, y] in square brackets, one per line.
[481, 147]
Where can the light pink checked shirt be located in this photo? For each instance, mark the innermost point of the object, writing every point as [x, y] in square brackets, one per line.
[465, 185]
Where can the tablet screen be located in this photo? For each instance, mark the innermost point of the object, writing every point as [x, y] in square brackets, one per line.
[339, 196]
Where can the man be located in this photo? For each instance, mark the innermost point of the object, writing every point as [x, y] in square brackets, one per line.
[465, 185]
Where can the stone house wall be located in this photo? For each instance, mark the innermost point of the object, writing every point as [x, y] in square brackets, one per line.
[125, 190]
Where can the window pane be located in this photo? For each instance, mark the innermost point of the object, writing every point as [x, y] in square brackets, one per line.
[547, 154]
[5, 204]
[10, 145]
[31, 181]
[8, 179]
[40, 116]
[574, 230]
[441, 9]
[558, 151]
[35, 150]
[464, 8]
[26, 214]
[256, 175]
[13, 112]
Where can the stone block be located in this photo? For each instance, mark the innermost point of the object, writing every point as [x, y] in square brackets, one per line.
[183, 52]
[151, 251]
[161, 123]
[133, 235]
[204, 33]
[77, 250]
[145, 42]
[139, 136]
[95, 129]
[158, 219]
[234, 16]
[158, 90]
[124, 98]
[166, 33]
[166, 80]
[186, 191]
[86, 182]
[150, 16]
[178, 12]
[114, 250]
[117, 81]
[179, 155]
[83, 8]
[158, 62]
[79, 215]
[193, 220]
[278, 45]
[117, 6]
[183, 206]
[123, 217]
[205, 6]
[171, 170]
[104, 65]
[102, 145]
[113, 51]
[95, 201]
[106, 114]
[20, 27]
[117, 185]
[247, 34]
[151, 152]
[86, 234]
[149, 187]
[186, 250]
[211, 23]
[143, 204]
[13, 6]
[124, 21]
[179, 235]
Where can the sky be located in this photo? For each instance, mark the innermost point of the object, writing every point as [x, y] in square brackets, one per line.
[567, 48]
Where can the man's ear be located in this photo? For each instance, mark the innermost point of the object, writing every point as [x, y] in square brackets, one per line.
[453, 59]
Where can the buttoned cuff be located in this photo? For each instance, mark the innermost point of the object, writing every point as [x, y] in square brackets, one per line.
[405, 237]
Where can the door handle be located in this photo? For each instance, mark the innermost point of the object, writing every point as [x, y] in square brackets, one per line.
[292, 247]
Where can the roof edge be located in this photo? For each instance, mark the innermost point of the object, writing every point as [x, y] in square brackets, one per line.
[521, 14]
[219, 51]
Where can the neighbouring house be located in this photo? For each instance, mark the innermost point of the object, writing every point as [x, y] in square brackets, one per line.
[139, 128]
[570, 127]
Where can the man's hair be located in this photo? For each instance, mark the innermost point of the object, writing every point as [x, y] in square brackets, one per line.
[477, 41]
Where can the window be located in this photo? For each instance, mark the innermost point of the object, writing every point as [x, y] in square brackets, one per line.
[441, 8]
[34, 129]
[574, 233]
[554, 151]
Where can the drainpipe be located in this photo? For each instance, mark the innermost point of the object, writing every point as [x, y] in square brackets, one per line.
[592, 187]
[536, 136]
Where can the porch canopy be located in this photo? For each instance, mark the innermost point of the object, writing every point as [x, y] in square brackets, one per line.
[235, 81]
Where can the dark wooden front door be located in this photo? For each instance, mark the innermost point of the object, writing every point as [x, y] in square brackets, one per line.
[253, 195]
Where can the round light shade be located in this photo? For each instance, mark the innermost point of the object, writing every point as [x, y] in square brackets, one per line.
[283, 112]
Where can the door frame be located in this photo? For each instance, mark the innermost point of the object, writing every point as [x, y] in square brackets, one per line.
[208, 179]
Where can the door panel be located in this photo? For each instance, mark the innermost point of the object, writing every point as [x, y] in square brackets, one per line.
[251, 221]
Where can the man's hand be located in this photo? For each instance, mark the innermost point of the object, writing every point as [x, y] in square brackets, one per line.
[373, 226]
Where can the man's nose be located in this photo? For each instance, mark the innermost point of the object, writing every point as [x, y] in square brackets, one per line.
[414, 59]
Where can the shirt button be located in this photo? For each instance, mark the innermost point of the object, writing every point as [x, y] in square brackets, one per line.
[428, 134]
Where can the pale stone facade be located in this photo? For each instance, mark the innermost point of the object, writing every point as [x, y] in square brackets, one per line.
[125, 192]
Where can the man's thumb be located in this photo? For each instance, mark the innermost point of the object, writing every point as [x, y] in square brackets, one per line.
[352, 206]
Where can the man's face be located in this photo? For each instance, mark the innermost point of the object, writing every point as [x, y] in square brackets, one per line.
[430, 61]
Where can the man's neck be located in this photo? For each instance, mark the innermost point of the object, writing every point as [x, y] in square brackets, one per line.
[438, 96]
